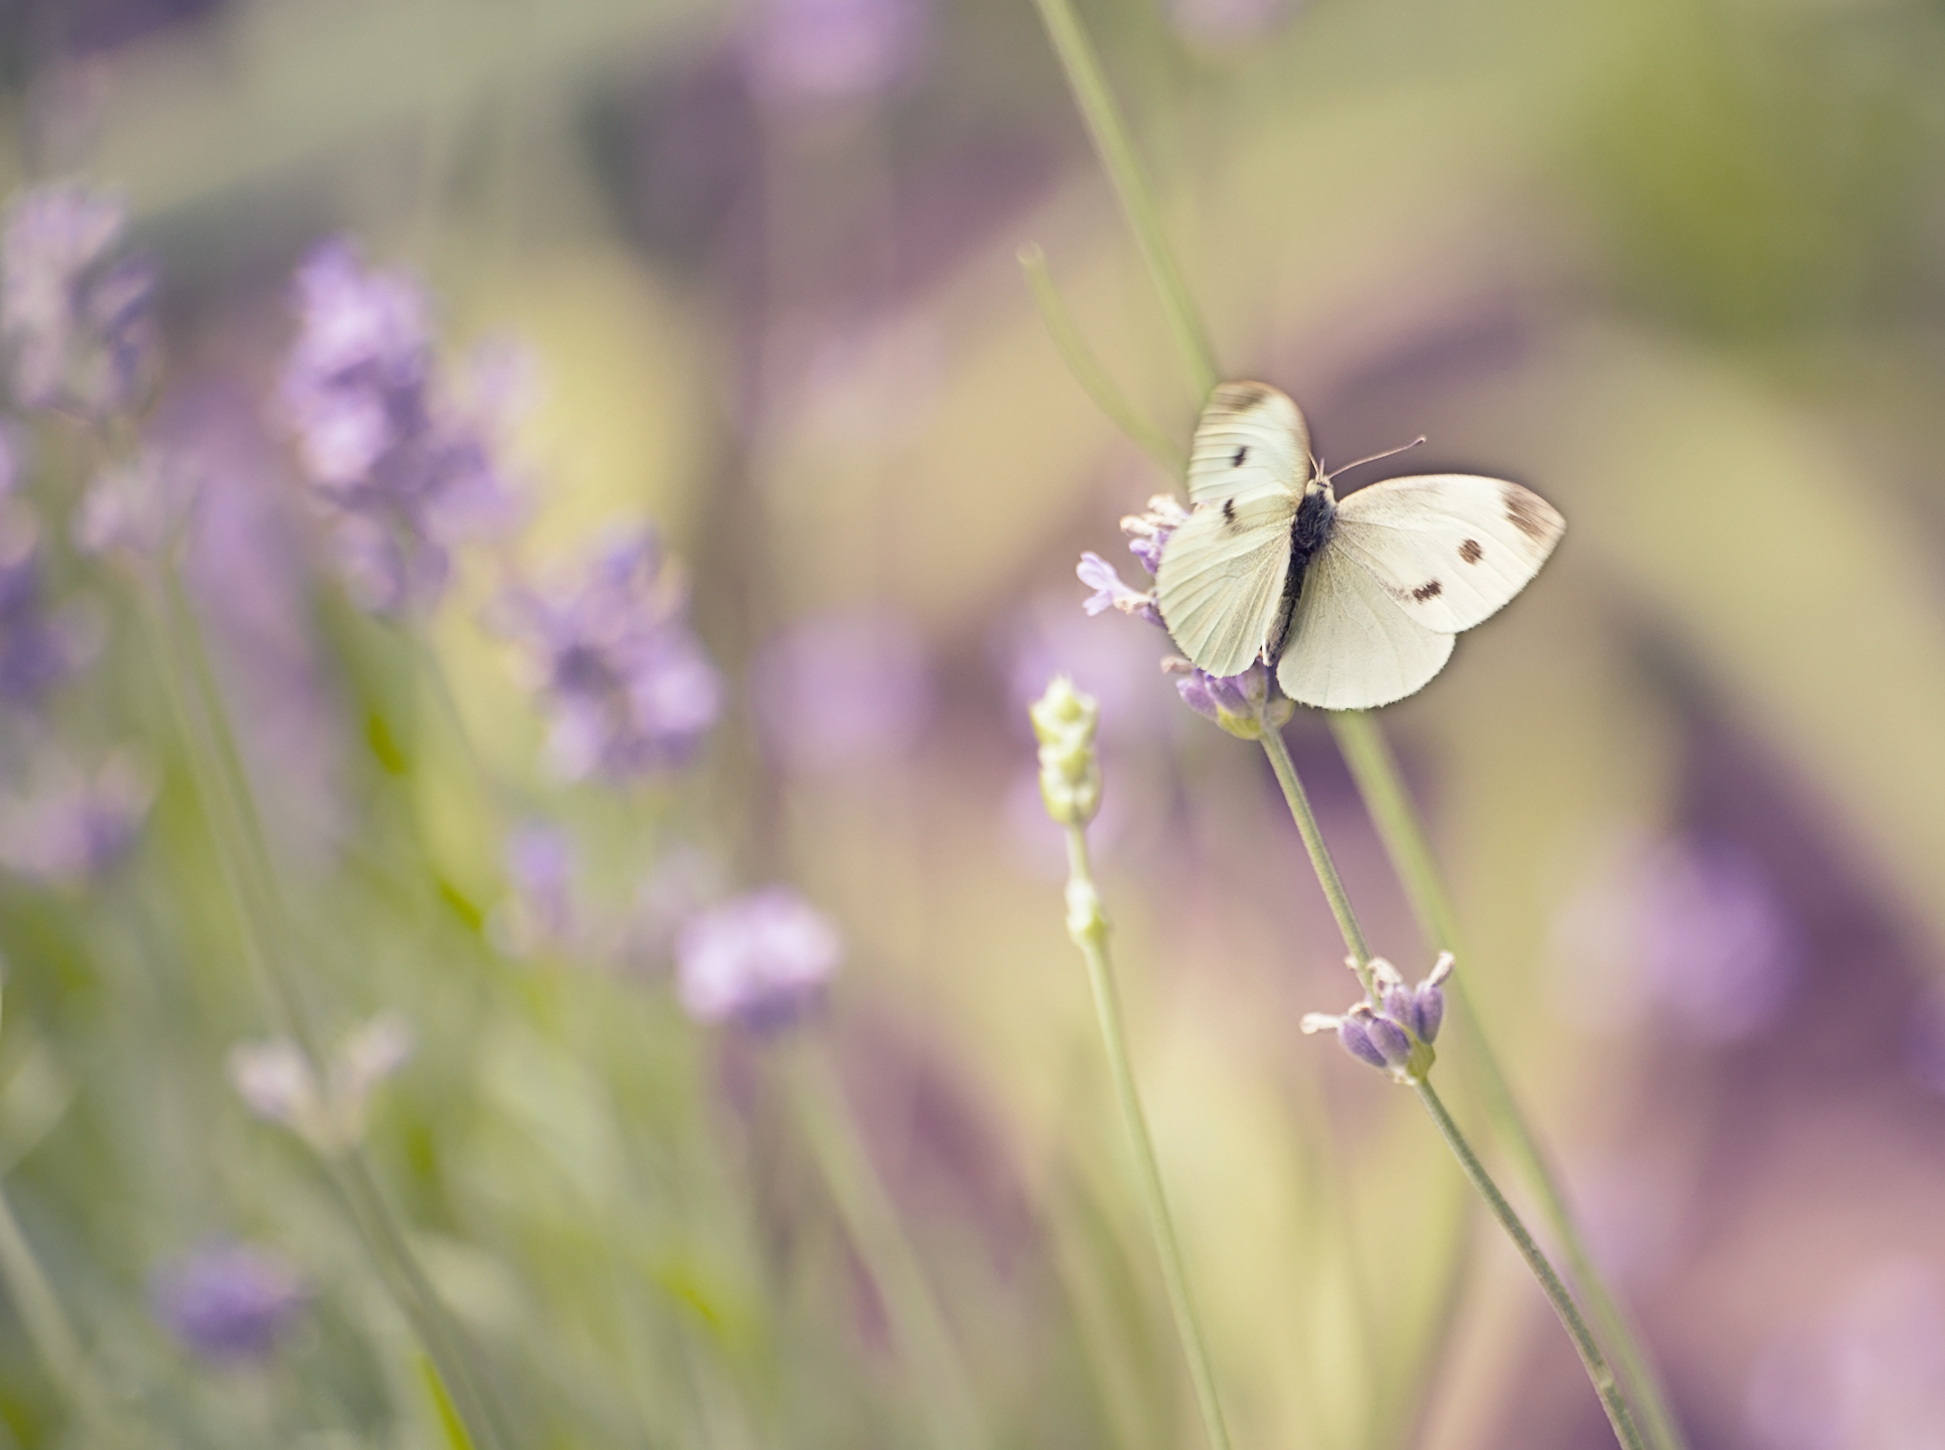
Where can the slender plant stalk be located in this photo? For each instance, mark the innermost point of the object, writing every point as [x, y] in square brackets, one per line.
[1381, 784]
[1363, 744]
[53, 1336]
[244, 859]
[1087, 368]
[872, 1222]
[1598, 1370]
[1117, 153]
[1088, 925]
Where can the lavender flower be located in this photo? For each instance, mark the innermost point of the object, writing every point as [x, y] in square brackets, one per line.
[842, 688]
[1111, 593]
[1396, 1032]
[39, 646]
[70, 828]
[77, 325]
[137, 508]
[627, 686]
[760, 960]
[1688, 927]
[1148, 531]
[539, 911]
[229, 1302]
[278, 1083]
[835, 50]
[401, 468]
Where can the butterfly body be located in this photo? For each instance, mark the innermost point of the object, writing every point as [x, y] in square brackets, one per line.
[1355, 604]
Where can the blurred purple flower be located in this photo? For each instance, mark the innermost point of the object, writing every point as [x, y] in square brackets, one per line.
[39, 645]
[1870, 1376]
[835, 50]
[402, 468]
[69, 828]
[1925, 1038]
[11, 462]
[1691, 928]
[760, 960]
[229, 1302]
[539, 910]
[77, 325]
[842, 688]
[1217, 23]
[138, 507]
[627, 685]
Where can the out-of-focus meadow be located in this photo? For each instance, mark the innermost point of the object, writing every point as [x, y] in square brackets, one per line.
[1678, 265]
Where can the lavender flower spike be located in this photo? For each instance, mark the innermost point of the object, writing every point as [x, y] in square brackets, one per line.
[1148, 531]
[760, 960]
[1243, 705]
[77, 325]
[229, 1302]
[400, 466]
[627, 686]
[1395, 1033]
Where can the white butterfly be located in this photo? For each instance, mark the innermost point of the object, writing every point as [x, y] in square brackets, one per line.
[1355, 604]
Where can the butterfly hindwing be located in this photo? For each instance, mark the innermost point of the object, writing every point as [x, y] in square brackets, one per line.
[1350, 645]
[1251, 443]
[1220, 585]
[1450, 548]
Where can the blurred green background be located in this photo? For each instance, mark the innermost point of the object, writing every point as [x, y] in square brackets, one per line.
[1678, 265]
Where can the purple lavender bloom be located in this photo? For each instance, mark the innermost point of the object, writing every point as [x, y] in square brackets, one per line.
[229, 1302]
[539, 910]
[760, 960]
[39, 646]
[842, 688]
[835, 50]
[1148, 532]
[1395, 1032]
[77, 325]
[1218, 23]
[1110, 592]
[401, 468]
[71, 828]
[628, 688]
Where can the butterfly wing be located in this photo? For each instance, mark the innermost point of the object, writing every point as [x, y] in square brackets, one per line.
[1220, 584]
[1351, 647]
[1250, 443]
[1450, 548]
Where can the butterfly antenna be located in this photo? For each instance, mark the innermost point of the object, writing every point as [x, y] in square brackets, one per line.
[1401, 448]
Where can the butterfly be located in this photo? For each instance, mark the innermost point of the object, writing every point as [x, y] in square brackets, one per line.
[1355, 604]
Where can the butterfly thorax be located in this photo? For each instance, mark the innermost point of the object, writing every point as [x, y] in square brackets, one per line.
[1310, 530]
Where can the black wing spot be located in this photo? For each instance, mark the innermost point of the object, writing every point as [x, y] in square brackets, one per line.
[1428, 591]
[1521, 514]
[1470, 551]
[1236, 458]
[1229, 511]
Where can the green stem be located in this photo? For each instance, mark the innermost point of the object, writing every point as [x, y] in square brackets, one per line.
[1087, 369]
[244, 859]
[1381, 783]
[1320, 857]
[1598, 1371]
[871, 1220]
[55, 1341]
[1088, 925]
[1117, 154]
[1596, 1364]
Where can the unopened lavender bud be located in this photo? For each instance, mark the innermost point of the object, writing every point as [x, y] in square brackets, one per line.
[1064, 721]
[1352, 1034]
[1240, 704]
[1429, 1013]
[1393, 1042]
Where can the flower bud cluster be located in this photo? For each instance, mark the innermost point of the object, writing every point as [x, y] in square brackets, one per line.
[1241, 704]
[1394, 1033]
[1064, 721]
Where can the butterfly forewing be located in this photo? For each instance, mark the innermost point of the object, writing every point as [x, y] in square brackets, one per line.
[1350, 646]
[1220, 585]
[1450, 548]
[1250, 443]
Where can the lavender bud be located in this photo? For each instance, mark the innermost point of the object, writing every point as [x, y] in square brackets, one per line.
[1110, 592]
[1355, 1035]
[1393, 1043]
[1065, 722]
[760, 960]
[1429, 1013]
[228, 1302]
